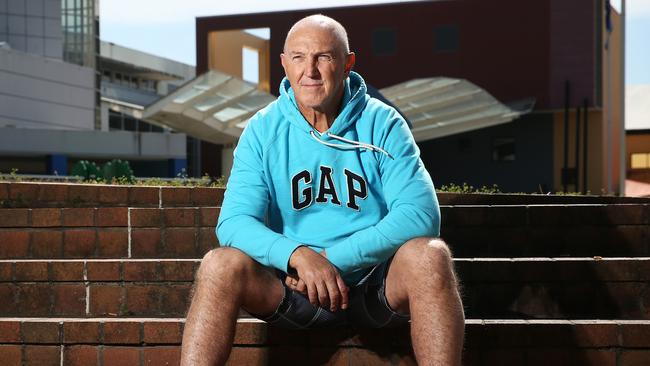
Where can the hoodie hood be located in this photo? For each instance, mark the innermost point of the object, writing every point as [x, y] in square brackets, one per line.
[355, 99]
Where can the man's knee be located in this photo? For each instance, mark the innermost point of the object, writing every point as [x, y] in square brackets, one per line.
[428, 258]
[224, 261]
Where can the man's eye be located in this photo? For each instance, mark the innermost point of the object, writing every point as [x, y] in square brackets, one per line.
[297, 58]
[325, 58]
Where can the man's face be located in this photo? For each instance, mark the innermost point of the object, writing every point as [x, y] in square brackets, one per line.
[316, 65]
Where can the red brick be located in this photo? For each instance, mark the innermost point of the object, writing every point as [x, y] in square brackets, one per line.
[81, 356]
[10, 332]
[203, 196]
[103, 271]
[11, 355]
[634, 358]
[52, 193]
[80, 195]
[74, 217]
[113, 216]
[121, 356]
[596, 335]
[6, 272]
[40, 332]
[635, 335]
[162, 333]
[8, 306]
[47, 244]
[14, 243]
[4, 191]
[146, 243]
[69, 300]
[34, 299]
[175, 300]
[207, 240]
[31, 271]
[162, 356]
[175, 196]
[79, 243]
[145, 217]
[209, 216]
[14, 217]
[121, 332]
[24, 193]
[105, 300]
[81, 332]
[142, 299]
[42, 356]
[67, 271]
[141, 271]
[46, 217]
[113, 194]
[177, 270]
[143, 196]
[112, 243]
[180, 242]
[179, 216]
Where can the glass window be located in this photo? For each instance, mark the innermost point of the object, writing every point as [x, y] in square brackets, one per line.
[640, 161]
[384, 41]
[503, 149]
[114, 121]
[445, 38]
[250, 65]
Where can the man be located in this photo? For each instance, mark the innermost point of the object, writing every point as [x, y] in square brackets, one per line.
[329, 216]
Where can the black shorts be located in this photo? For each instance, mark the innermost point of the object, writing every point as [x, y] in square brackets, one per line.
[367, 306]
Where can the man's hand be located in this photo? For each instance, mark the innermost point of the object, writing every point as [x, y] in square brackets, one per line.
[319, 278]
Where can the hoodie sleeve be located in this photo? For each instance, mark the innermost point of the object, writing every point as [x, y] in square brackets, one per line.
[411, 200]
[241, 220]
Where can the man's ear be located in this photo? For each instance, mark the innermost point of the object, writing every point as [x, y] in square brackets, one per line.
[349, 62]
[282, 60]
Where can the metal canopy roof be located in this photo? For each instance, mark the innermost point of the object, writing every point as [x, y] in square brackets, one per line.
[438, 107]
[214, 107]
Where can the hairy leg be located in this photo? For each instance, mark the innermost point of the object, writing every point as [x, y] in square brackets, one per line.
[226, 281]
[421, 281]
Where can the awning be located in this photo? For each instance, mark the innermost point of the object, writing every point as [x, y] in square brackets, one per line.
[440, 106]
[214, 107]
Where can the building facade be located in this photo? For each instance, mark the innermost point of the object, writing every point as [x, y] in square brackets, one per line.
[565, 55]
[66, 96]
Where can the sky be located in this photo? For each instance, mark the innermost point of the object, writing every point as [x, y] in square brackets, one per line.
[167, 27]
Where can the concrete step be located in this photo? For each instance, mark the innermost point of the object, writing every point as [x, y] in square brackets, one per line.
[188, 232]
[547, 288]
[150, 341]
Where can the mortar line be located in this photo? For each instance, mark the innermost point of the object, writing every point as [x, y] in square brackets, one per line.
[85, 274]
[128, 230]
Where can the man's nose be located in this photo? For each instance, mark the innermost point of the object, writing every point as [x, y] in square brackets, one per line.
[312, 67]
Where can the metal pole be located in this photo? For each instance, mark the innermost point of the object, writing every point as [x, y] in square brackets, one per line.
[566, 136]
[608, 136]
[585, 143]
[576, 172]
[623, 152]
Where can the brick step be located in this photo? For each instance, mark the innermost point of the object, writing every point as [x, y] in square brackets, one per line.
[33, 195]
[579, 288]
[107, 232]
[150, 341]
[471, 231]
[543, 216]
[27, 194]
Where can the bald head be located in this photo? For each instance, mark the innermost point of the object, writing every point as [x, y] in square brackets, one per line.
[323, 22]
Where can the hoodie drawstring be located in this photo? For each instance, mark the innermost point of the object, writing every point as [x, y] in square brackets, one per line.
[352, 144]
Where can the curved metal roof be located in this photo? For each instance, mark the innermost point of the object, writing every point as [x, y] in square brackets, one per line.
[440, 106]
[215, 107]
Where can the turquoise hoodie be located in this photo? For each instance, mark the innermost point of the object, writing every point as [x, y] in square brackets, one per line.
[359, 190]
